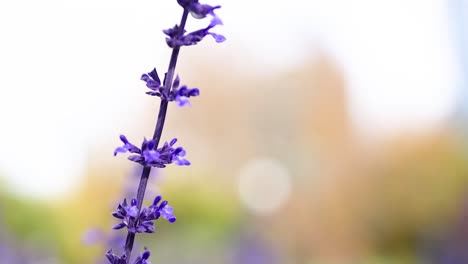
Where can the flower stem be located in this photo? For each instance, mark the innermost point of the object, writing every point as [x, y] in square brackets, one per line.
[156, 136]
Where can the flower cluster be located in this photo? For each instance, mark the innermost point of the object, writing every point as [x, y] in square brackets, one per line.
[148, 155]
[178, 94]
[176, 36]
[143, 221]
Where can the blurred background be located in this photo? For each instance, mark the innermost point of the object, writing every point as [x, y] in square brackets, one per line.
[327, 131]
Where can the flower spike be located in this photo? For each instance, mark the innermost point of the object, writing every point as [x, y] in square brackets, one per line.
[131, 215]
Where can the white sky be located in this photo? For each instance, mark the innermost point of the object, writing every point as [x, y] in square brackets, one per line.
[59, 60]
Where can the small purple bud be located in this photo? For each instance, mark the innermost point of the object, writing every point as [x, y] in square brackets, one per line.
[162, 205]
[154, 75]
[124, 139]
[156, 200]
[146, 254]
[119, 225]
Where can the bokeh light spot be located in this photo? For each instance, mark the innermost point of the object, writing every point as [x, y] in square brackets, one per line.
[264, 185]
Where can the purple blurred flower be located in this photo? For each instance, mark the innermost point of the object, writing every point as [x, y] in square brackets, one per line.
[149, 156]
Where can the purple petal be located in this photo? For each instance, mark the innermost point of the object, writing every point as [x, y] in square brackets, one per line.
[194, 92]
[200, 11]
[120, 150]
[168, 213]
[217, 37]
[153, 85]
[144, 144]
[150, 145]
[119, 226]
[157, 199]
[152, 93]
[136, 158]
[182, 101]
[152, 156]
[124, 139]
[146, 254]
[182, 162]
[154, 75]
[215, 22]
[180, 152]
[147, 227]
[126, 147]
[110, 256]
[162, 205]
[133, 212]
[118, 215]
[145, 78]
[142, 259]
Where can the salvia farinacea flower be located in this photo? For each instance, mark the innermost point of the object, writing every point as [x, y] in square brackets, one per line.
[148, 155]
[134, 218]
[178, 94]
[143, 221]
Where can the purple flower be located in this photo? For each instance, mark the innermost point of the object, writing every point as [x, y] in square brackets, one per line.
[168, 213]
[142, 259]
[174, 34]
[143, 222]
[178, 94]
[126, 147]
[196, 9]
[181, 94]
[149, 156]
[200, 11]
[177, 38]
[152, 82]
[126, 213]
[114, 259]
